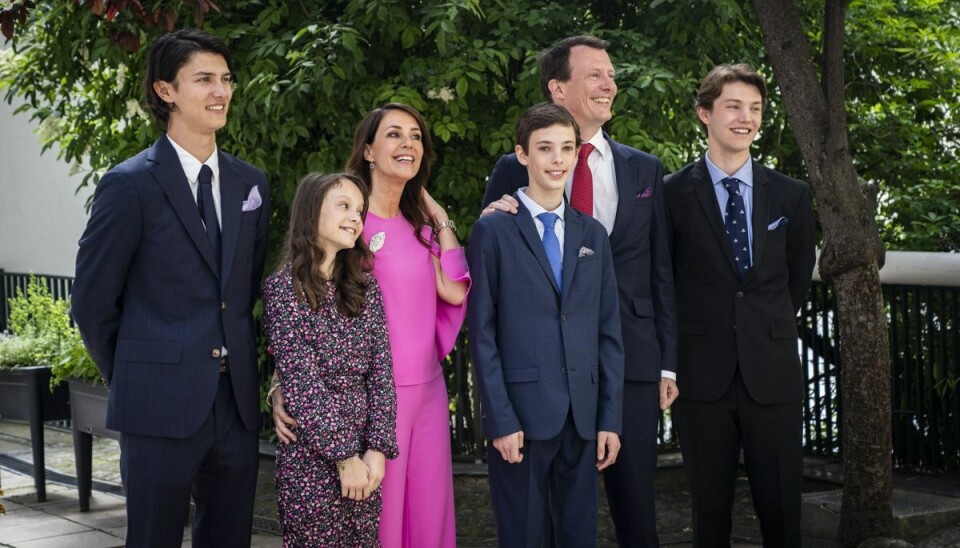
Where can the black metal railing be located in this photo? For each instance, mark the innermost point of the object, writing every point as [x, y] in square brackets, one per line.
[10, 282]
[924, 329]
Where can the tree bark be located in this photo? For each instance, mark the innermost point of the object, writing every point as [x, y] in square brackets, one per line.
[851, 256]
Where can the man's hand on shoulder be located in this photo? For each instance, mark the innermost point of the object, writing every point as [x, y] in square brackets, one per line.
[506, 203]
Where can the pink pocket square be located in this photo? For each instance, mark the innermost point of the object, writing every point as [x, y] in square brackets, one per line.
[647, 192]
[253, 200]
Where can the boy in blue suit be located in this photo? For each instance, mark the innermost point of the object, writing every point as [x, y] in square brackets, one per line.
[546, 344]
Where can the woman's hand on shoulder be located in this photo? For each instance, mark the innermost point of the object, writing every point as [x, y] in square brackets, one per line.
[436, 211]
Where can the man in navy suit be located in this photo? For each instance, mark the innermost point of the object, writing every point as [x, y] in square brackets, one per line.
[627, 198]
[168, 270]
[742, 238]
[546, 348]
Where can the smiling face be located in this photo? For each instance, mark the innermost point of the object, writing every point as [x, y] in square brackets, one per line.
[550, 155]
[590, 91]
[200, 95]
[733, 122]
[397, 148]
[341, 218]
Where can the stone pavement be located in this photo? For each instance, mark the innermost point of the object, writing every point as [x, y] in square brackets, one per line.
[927, 508]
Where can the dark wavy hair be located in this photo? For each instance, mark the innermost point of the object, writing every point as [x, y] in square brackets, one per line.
[412, 206]
[170, 52]
[554, 62]
[350, 266]
[721, 75]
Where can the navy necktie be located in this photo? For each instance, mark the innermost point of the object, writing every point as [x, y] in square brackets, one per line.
[552, 245]
[735, 221]
[208, 212]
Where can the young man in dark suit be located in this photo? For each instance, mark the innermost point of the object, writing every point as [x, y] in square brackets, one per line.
[742, 240]
[622, 188]
[168, 270]
[545, 341]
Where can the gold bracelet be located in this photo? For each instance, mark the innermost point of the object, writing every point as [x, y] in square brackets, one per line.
[273, 388]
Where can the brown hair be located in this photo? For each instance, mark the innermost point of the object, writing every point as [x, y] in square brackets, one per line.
[350, 266]
[412, 206]
[721, 75]
[543, 115]
[554, 61]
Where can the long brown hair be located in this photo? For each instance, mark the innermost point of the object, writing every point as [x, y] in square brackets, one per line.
[412, 206]
[350, 266]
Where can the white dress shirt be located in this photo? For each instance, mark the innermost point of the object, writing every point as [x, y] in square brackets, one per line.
[535, 209]
[191, 168]
[605, 196]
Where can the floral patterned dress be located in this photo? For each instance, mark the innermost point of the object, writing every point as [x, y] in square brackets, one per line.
[336, 376]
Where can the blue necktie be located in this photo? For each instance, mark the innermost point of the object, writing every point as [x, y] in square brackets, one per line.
[552, 245]
[208, 211]
[735, 220]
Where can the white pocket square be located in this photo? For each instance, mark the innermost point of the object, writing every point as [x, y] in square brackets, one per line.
[779, 224]
[253, 200]
[585, 252]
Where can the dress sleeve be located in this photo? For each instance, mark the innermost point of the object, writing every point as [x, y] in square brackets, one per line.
[320, 421]
[453, 263]
[381, 429]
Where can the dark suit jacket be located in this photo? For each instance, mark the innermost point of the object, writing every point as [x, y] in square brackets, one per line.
[640, 257]
[725, 322]
[539, 351]
[148, 297]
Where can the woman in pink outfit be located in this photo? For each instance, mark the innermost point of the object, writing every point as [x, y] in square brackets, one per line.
[423, 276]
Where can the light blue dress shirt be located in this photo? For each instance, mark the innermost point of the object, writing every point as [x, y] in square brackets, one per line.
[745, 174]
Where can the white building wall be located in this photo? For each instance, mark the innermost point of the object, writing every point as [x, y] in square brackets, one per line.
[41, 218]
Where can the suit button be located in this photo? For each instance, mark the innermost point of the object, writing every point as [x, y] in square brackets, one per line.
[215, 353]
[563, 370]
[223, 305]
[563, 317]
[739, 296]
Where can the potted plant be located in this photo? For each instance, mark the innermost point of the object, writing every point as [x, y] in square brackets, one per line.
[88, 406]
[38, 324]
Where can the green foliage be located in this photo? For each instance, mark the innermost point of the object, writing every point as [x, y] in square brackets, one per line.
[73, 361]
[38, 324]
[309, 70]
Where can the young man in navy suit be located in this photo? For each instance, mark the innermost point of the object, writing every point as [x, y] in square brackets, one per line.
[168, 270]
[622, 188]
[742, 239]
[546, 345]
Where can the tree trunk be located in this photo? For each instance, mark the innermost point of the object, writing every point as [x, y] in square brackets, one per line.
[851, 256]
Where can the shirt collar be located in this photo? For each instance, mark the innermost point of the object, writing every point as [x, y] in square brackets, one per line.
[191, 165]
[600, 143]
[745, 173]
[534, 208]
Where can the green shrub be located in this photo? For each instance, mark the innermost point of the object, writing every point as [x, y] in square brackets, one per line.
[38, 325]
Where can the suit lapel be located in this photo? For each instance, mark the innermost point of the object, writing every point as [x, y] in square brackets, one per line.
[169, 174]
[572, 238]
[528, 230]
[761, 213]
[231, 203]
[703, 186]
[628, 184]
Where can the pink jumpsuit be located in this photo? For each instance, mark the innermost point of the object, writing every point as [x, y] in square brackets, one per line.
[418, 485]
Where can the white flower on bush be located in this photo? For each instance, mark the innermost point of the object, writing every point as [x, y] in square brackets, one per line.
[445, 94]
[135, 110]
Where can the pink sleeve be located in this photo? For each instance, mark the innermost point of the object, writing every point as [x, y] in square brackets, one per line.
[450, 317]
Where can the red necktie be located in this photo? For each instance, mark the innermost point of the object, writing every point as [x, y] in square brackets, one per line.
[581, 196]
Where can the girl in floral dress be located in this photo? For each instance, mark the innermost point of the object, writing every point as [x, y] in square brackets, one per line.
[326, 329]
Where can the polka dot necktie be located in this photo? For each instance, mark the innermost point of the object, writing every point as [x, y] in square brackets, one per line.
[735, 221]
[581, 194]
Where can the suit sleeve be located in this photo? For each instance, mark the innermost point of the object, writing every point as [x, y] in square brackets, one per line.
[504, 179]
[381, 430]
[499, 417]
[661, 278]
[610, 405]
[107, 247]
[801, 253]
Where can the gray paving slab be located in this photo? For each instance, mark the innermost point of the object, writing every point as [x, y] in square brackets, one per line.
[87, 539]
[39, 528]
